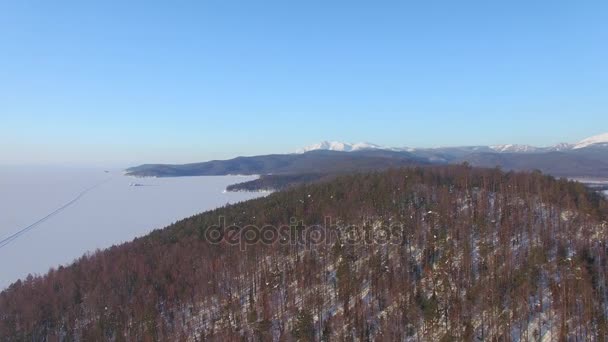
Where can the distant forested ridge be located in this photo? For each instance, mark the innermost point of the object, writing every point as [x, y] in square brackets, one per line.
[483, 255]
[278, 182]
[574, 163]
[306, 163]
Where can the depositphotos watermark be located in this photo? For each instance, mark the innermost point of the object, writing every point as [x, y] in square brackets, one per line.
[299, 233]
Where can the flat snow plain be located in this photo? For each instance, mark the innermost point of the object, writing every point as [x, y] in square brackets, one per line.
[92, 209]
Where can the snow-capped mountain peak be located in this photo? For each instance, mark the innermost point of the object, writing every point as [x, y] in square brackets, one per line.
[340, 146]
[594, 140]
[600, 140]
[514, 148]
[560, 147]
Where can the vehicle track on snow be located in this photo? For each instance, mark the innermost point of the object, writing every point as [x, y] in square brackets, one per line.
[6, 241]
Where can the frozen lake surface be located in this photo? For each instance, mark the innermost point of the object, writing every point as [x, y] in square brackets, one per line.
[70, 211]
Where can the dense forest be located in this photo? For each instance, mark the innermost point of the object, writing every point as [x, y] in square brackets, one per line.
[481, 255]
[279, 182]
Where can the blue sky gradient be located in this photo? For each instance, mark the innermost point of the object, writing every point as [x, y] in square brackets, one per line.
[125, 82]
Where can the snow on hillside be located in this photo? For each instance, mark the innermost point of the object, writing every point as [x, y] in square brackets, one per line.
[596, 139]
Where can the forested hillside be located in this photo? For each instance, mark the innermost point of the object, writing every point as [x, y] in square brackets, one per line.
[326, 162]
[473, 254]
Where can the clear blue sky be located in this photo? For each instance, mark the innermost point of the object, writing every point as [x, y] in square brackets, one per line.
[123, 82]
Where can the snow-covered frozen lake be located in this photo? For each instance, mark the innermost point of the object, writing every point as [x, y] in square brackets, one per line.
[74, 210]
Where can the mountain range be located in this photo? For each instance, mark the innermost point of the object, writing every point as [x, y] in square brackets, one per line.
[600, 140]
[585, 159]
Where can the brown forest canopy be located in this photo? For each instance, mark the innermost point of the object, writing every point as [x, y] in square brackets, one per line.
[484, 253]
